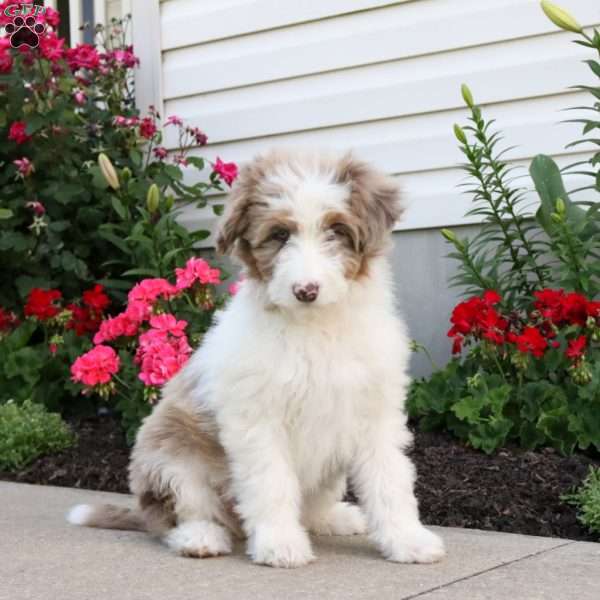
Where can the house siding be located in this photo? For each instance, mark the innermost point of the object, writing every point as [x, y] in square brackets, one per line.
[382, 78]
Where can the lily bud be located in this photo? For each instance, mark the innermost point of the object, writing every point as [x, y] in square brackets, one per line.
[560, 17]
[561, 209]
[109, 172]
[169, 202]
[126, 174]
[153, 198]
[556, 218]
[450, 235]
[460, 134]
[467, 96]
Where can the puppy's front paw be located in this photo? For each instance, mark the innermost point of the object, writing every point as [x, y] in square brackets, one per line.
[341, 519]
[418, 545]
[286, 547]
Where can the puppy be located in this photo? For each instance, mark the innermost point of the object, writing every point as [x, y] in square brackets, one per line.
[298, 387]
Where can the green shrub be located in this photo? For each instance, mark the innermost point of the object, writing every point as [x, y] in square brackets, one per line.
[587, 500]
[28, 431]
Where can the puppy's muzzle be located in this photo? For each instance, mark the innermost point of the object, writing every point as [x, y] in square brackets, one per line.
[306, 293]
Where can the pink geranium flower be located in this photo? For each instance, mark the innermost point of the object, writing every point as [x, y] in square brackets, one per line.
[160, 364]
[168, 324]
[197, 269]
[174, 120]
[115, 327]
[96, 366]
[149, 290]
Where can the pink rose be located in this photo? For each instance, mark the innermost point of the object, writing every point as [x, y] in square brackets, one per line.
[18, 132]
[52, 47]
[227, 171]
[83, 56]
[79, 97]
[161, 153]
[24, 166]
[6, 60]
[96, 366]
[148, 128]
[174, 120]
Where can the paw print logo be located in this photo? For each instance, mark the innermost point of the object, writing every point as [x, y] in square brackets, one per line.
[25, 32]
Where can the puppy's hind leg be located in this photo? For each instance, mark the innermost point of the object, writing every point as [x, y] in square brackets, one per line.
[199, 532]
[326, 514]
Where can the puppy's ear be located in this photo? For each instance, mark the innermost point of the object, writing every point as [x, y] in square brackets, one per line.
[374, 200]
[235, 219]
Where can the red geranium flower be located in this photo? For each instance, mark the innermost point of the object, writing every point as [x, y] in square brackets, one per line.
[457, 344]
[477, 316]
[40, 304]
[576, 347]
[575, 308]
[593, 309]
[549, 303]
[531, 341]
[83, 321]
[96, 299]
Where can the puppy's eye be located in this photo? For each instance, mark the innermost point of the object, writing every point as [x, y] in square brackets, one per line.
[338, 230]
[280, 235]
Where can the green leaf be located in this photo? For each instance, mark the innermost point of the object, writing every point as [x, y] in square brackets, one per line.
[143, 272]
[115, 240]
[119, 208]
[5, 213]
[218, 209]
[136, 157]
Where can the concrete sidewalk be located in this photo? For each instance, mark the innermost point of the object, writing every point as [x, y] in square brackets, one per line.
[42, 557]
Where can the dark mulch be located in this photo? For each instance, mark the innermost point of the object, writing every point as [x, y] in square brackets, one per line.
[98, 461]
[514, 490]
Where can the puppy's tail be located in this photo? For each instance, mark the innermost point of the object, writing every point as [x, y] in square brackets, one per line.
[106, 516]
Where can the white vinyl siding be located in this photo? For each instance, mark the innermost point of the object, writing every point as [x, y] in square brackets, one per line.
[382, 78]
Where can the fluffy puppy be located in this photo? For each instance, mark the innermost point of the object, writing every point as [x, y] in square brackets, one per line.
[298, 386]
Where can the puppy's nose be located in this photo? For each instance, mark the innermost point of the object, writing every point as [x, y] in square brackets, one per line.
[306, 292]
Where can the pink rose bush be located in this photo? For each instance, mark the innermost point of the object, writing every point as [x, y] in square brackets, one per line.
[143, 347]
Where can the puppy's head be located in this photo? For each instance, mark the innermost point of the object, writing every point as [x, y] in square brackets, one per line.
[306, 226]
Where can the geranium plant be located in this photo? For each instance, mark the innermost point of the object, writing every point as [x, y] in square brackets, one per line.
[139, 350]
[531, 376]
[526, 341]
[38, 344]
[89, 191]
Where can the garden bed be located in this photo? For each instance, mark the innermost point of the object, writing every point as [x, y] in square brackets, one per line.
[512, 491]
